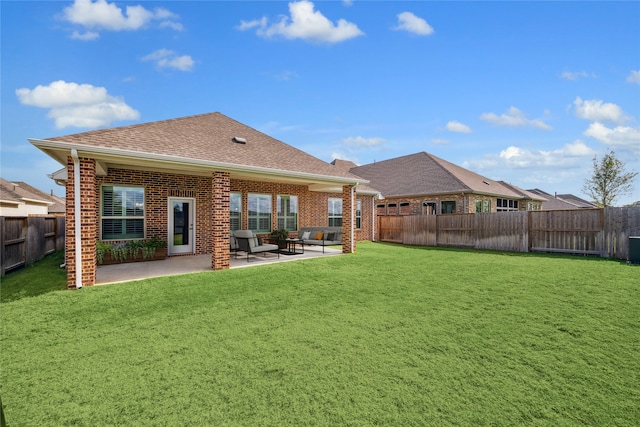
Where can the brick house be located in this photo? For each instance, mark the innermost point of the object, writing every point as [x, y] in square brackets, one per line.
[191, 181]
[21, 199]
[423, 184]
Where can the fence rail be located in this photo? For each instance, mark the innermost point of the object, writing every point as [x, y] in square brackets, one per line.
[25, 240]
[602, 232]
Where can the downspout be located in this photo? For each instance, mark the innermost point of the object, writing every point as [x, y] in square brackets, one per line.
[373, 218]
[78, 225]
[353, 216]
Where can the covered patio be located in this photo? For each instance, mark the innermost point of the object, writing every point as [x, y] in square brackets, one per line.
[118, 273]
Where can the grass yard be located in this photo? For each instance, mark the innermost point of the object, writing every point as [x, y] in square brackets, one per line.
[391, 335]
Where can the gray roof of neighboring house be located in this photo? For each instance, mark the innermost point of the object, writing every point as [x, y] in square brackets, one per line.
[525, 194]
[561, 201]
[425, 174]
[18, 191]
[205, 140]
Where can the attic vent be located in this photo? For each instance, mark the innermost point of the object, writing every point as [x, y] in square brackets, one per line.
[486, 182]
[239, 140]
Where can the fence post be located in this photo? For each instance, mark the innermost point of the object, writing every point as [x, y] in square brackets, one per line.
[2, 248]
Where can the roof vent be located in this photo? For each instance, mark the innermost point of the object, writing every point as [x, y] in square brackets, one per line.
[486, 182]
[239, 140]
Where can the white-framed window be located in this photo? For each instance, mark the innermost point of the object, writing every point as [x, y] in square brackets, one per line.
[429, 208]
[448, 207]
[392, 209]
[235, 207]
[287, 212]
[405, 208]
[259, 212]
[122, 212]
[358, 214]
[381, 209]
[506, 205]
[335, 212]
[483, 206]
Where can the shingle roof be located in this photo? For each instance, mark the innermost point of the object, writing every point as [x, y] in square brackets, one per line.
[18, 191]
[209, 138]
[561, 201]
[425, 174]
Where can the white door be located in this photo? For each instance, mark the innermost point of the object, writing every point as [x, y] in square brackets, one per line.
[181, 226]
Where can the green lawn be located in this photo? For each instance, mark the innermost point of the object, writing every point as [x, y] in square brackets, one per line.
[391, 335]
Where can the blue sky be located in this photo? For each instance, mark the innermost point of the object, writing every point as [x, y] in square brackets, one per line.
[525, 92]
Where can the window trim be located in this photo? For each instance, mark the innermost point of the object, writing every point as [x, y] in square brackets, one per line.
[444, 203]
[284, 217]
[125, 217]
[259, 215]
[334, 217]
[358, 214]
[239, 213]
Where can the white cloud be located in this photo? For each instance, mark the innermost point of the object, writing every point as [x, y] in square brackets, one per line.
[305, 23]
[359, 141]
[597, 111]
[623, 136]
[88, 35]
[101, 15]
[407, 21]
[575, 75]
[634, 77]
[571, 155]
[165, 58]
[514, 117]
[454, 126]
[78, 105]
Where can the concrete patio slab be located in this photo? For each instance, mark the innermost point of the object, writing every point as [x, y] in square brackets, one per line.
[117, 273]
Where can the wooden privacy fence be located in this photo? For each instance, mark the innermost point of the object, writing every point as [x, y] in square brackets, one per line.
[25, 240]
[602, 232]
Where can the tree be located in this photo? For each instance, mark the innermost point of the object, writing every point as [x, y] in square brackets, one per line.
[609, 180]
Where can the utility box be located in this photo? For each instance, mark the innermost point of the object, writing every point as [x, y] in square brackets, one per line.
[634, 250]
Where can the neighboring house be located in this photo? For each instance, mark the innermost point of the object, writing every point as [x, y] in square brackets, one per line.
[21, 199]
[423, 184]
[562, 201]
[191, 181]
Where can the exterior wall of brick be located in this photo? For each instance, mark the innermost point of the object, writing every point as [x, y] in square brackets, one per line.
[211, 195]
[348, 217]
[221, 217]
[464, 203]
[365, 232]
[88, 233]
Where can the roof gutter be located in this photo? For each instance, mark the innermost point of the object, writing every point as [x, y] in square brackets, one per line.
[77, 219]
[172, 160]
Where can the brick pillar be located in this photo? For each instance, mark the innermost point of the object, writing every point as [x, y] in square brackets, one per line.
[221, 184]
[88, 223]
[348, 219]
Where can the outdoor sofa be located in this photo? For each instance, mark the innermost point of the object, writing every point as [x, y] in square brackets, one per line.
[321, 236]
[247, 242]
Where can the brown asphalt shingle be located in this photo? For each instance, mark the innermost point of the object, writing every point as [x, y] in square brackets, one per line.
[424, 174]
[207, 137]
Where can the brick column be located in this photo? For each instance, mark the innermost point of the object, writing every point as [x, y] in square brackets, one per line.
[348, 218]
[88, 223]
[221, 183]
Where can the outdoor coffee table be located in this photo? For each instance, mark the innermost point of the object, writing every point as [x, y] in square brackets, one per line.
[294, 247]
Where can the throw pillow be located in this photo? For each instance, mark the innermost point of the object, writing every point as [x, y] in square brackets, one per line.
[318, 236]
[305, 235]
[331, 236]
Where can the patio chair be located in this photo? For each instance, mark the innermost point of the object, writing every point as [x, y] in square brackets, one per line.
[249, 243]
[233, 245]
